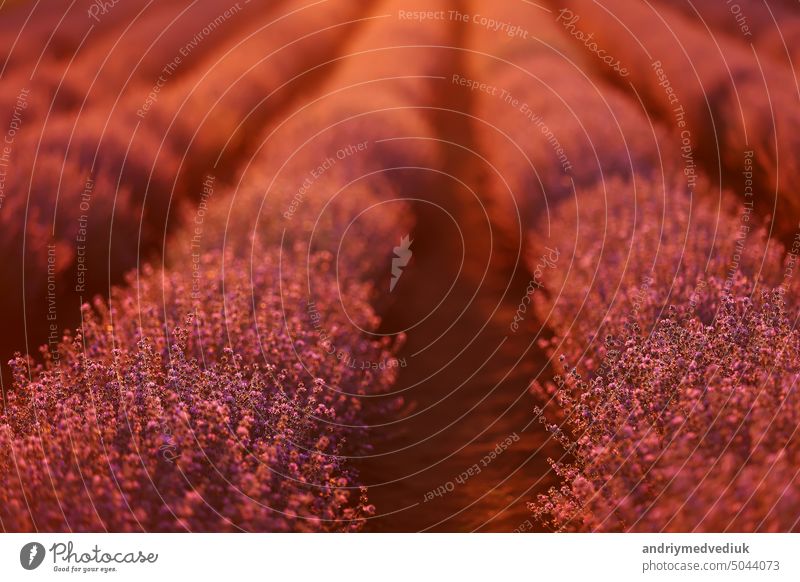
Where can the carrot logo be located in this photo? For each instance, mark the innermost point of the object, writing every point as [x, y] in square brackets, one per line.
[31, 555]
[402, 256]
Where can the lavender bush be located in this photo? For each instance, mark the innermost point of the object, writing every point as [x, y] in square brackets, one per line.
[678, 359]
[202, 405]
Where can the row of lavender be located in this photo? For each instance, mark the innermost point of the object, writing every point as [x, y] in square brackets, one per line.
[674, 313]
[676, 341]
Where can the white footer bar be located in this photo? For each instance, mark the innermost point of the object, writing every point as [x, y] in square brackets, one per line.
[406, 557]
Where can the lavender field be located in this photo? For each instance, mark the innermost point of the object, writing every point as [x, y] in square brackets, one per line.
[399, 266]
